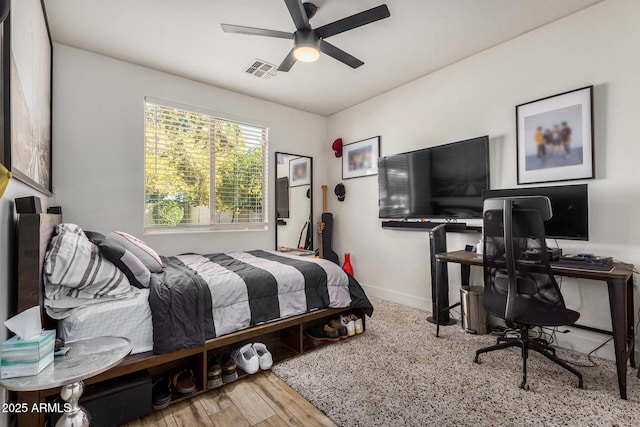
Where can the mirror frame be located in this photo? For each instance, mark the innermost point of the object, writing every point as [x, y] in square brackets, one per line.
[275, 192]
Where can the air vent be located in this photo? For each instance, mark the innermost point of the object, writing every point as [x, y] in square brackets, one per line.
[261, 69]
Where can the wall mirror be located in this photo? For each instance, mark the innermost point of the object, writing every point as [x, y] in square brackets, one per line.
[294, 201]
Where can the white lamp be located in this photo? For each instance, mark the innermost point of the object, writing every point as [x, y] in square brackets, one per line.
[306, 53]
[306, 46]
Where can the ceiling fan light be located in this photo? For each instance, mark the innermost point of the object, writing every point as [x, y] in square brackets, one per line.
[306, 46]
[306, 53]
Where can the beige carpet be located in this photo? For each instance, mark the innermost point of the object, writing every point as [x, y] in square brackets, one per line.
[398, 374]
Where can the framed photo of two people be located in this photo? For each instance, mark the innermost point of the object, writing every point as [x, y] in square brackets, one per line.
[555, 138]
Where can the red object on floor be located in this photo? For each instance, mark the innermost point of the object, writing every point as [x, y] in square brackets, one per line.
[347, 264]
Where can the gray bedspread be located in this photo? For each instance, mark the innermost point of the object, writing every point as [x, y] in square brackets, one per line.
[198, 297]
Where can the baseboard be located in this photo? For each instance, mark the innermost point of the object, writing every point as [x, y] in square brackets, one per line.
[585, 341]
[578, 339]
[397, 297]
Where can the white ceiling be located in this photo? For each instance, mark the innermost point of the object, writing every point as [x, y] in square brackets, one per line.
[183, 37]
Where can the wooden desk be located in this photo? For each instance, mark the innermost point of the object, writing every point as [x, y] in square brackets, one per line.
[620, 286]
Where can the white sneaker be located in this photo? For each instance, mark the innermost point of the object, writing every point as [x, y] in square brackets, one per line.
[266, 360]
[246, 359]
[357, 324]
[349, 324]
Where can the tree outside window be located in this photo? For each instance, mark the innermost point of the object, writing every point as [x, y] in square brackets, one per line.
[188, 151]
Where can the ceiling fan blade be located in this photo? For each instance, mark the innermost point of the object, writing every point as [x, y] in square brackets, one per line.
[299, 16]
[288, 62]
[252, 31]
[339, 54]
[353, 21]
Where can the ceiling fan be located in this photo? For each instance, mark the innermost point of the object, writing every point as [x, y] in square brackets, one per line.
[308, 42]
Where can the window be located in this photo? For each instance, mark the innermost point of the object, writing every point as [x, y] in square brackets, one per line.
[202, 172]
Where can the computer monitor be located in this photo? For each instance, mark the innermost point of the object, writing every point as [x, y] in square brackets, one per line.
[569, 205]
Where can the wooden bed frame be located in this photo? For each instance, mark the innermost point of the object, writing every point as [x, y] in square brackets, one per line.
[284, 338]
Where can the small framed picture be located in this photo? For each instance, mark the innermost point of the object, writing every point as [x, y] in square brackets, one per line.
[299, 171]
[555, 138]
[361, 158]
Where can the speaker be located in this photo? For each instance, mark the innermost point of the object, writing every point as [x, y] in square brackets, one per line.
[28, 205]
[438, 244]
[54, 210]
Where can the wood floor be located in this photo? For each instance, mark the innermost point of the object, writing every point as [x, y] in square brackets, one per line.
[259, 400]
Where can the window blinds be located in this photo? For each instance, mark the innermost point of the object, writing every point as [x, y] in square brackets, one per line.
[202, 171]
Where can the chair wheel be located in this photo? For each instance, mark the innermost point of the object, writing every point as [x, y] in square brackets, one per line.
[476, 359]
[524, 386]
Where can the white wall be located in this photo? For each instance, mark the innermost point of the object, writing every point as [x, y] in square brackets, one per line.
[98, 148]
[477, 96]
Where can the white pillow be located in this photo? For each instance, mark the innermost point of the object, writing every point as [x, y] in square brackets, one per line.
[75, 268]
[140, 249]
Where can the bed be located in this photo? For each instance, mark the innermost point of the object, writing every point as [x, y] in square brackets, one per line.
[277, 319]
[129, 318]
[239, 290]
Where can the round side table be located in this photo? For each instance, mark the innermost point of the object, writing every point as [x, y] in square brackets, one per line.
[86, 358]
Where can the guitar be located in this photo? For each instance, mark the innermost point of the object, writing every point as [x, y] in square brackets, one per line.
[324, 231]
[320, 248]
[305, 226]
[308, 241]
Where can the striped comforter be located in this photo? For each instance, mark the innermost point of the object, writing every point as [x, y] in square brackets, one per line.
[199, 297]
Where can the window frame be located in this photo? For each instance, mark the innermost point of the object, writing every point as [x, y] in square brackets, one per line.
[211, 227]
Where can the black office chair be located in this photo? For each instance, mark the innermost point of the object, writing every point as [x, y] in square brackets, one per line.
[519, 285]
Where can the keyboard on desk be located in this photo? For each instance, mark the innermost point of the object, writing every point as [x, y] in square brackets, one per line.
[590, 262]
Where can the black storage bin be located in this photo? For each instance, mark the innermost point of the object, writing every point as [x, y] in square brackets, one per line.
[114, 402]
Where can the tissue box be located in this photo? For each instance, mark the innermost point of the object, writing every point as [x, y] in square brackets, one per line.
[21, 358]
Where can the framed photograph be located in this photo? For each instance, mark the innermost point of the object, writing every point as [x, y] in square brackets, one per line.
[361, 158]
[299, 171]
[555, 138]
[26, 61]
[2, 84]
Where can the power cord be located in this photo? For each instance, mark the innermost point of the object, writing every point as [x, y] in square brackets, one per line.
[591, 361]
[539, 335]
[545, 337]
[457, 312]
[623, 265]
[592, 364]
[626, 266]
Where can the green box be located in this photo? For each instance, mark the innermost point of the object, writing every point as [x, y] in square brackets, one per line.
[21, 358]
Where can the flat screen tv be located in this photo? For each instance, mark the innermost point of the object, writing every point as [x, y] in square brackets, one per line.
[569, 207]
[445, 181]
